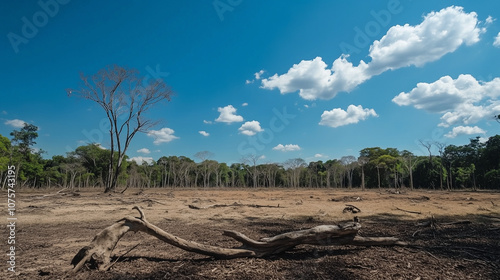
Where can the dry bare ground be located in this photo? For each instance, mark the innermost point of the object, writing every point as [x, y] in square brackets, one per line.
[452, 235]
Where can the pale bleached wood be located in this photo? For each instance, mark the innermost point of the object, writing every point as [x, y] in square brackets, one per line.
[98, 252]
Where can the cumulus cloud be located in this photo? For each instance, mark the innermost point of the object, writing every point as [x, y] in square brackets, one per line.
[287, 148]
[228, 115]
[15, 123]
[204, 133]
[438, 34]
[140, 160]
[468, 130]
[496, 43]
[244, 104]
[320, 156]
[259, 74]
[464, 100]
[338, 117]
[207, 122]
[144, 151]
[100, 146]
[163, 135]
[250, 128]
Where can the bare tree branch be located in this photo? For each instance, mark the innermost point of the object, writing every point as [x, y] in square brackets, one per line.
[125, 98]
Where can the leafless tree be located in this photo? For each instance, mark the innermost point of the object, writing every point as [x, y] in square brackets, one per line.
[441, 147]
[251, 160]
[206, 165]
[294, 167]
[125, 98]
[350, 163]
[270, 172]
[362, 161]
[428, 146]
[408, 160]
[74, 168]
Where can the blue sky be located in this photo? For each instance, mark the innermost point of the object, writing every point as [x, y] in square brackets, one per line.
[280, 79]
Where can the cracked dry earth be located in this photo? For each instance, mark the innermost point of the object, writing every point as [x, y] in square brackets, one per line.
[452, 235]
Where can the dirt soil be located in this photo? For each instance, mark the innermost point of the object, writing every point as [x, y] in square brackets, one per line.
[52, 226]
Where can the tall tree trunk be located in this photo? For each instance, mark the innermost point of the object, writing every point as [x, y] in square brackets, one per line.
[378, 176]
[362, 178]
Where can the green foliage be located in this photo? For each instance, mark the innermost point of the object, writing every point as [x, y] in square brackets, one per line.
[492, 178]
[427, 173]
[474, 165]
[5, 150]
[25, 138]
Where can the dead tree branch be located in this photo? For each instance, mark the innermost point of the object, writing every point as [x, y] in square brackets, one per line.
[98, 253]
[412, 212]
[235, 204]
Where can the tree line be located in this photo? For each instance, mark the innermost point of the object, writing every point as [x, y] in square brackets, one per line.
[475, 165]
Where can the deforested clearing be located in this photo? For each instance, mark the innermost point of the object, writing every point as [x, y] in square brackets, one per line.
[450, 235]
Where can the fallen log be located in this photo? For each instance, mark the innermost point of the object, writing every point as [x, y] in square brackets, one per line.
[407, 211]
[97, 255]
[235, 204]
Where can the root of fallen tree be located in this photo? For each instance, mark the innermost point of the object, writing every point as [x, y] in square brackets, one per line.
[97, 254]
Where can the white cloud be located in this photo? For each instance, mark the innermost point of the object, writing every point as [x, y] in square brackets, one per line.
[244, 104]
[490, 20]
[441, 95]
[15, 123]
[259, 74]
[313, 80]
[496, 43]
[287, 148]
[438, 34]
[463, 100]
[483, 139]
[163, 135]
[228, 115]
[468, 130]
[204, 133]
[207, 122]
[144, 151]
[338, 117]
[85, 143]
[140, 160]
[100, 146]
[250, 128]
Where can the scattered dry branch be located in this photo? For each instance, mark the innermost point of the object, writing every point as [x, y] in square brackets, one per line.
[463, 222]
[235, 204]
[59, 192]
[412, 212]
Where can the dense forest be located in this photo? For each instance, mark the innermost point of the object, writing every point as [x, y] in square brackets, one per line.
[475, 165]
